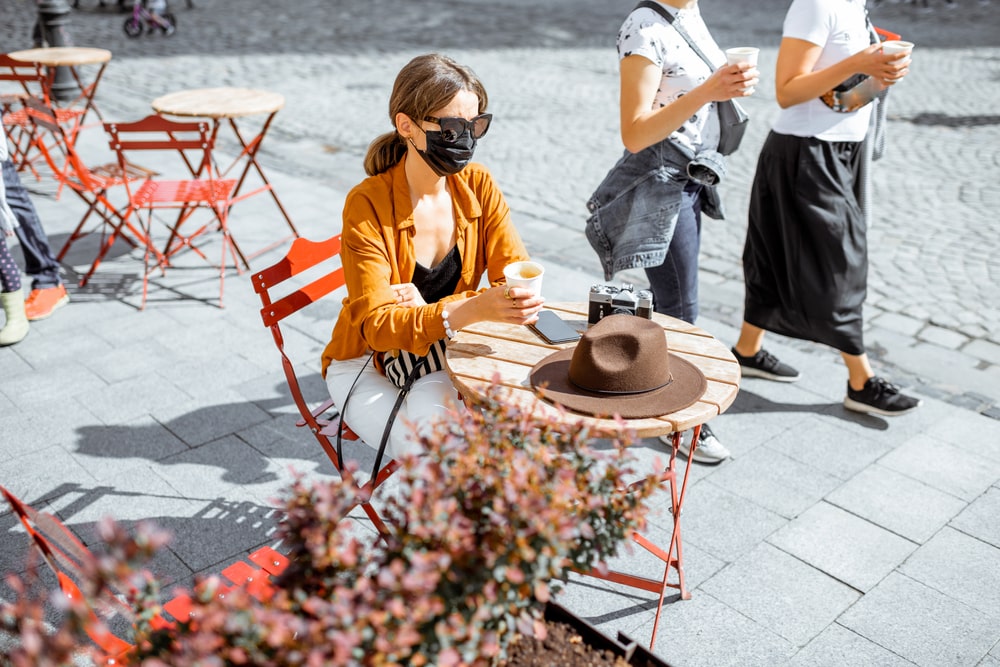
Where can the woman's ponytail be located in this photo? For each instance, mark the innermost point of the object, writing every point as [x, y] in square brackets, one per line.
[385, 151]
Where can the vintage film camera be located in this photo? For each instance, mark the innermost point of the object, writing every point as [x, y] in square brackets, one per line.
[610, 300]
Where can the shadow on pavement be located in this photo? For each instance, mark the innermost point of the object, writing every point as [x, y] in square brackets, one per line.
[946, 120]
[749, 403]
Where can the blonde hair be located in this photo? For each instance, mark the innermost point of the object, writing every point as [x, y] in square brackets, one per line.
[426, 83]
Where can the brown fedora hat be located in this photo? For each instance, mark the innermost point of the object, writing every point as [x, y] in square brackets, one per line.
[621, 366]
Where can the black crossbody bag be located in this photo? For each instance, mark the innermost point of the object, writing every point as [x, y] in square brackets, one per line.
[733, 120]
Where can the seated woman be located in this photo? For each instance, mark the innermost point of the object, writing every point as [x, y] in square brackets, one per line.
[418, 235]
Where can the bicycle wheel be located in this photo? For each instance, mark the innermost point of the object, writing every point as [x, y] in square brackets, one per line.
[170, 23]
[133, 27]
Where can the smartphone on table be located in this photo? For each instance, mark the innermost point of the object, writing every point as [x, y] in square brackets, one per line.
[552, 329]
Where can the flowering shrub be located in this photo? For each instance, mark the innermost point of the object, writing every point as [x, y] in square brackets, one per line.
[482, 528]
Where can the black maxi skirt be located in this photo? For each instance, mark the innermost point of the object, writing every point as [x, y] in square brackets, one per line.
[805, 261]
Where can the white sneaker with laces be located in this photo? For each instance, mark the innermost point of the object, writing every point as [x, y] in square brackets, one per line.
[709, 449]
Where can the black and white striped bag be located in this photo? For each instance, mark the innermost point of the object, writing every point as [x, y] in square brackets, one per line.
[406, 367]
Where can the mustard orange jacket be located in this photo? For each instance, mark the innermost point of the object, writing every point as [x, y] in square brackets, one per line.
[378, 252]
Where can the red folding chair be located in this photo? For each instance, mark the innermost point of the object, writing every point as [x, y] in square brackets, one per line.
[91, 184]
[270, 284]
[69, 558]
[192, 142]
[31, 84]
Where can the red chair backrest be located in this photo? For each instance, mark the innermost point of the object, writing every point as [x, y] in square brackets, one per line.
[156, 133]
[301, 256]
[29, 75]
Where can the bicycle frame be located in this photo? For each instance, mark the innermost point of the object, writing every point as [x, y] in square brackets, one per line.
[143, 20]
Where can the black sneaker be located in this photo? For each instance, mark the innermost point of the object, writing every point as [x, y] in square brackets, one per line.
[765, 365]
[880, 397]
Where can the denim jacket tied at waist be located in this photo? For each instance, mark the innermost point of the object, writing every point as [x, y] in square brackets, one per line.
[634, 210]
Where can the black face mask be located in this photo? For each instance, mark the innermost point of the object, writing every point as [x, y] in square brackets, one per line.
[447, 157]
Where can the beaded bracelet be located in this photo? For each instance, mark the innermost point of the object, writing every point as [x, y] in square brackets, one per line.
[447, 325]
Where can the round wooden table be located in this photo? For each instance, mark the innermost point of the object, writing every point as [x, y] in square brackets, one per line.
[481, 352]
[479, 355]
[219, 103]
[70, 57]
[56, 56]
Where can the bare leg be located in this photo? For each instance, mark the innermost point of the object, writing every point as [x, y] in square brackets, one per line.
[858, 370]
[751, 339]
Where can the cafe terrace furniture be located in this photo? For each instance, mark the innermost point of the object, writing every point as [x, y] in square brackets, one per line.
[192, 142]
[230, 104]
[68, 558]
[483, 353]
[90, 183]
[28, 82]
[283, 292]
[73, 58]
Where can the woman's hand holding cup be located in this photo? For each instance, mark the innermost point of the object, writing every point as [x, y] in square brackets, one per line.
[523, 292]
[899, 60]
[745, 54]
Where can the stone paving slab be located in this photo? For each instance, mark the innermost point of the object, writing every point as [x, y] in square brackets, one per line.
[844, 546]
[922, 624]
[888, 499]
[979, 519]
[837, 646]
[957, 564]
[783, 593]
[944, 466]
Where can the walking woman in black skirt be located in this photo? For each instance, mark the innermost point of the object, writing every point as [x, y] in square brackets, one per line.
[805, 261]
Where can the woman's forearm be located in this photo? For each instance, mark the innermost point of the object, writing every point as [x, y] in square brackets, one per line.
[805, 87]
[656, 125]
[795, 81]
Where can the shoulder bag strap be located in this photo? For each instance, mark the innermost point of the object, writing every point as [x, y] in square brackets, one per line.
[410, 379]
[343, 411]
[658, 8]
[388, 423]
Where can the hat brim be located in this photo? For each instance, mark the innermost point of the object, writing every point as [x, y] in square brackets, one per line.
[550, 377]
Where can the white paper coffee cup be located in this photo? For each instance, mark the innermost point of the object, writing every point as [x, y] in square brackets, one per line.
[742, 54]
[895, 46]
[525, 274]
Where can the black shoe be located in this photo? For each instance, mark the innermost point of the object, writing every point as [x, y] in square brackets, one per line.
[765, 365]
[880, 397]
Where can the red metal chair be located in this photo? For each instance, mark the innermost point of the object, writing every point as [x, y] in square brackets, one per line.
[31, 85]
[272, 285]
[91, 184]
[69, 558]
[192, 142]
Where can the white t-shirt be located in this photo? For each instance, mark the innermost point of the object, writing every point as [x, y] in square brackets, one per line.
[648, 34]
[839, 26]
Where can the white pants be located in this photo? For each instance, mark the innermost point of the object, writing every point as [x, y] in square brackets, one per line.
[372, 399]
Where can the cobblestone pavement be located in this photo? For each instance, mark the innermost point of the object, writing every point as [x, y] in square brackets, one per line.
[803, 549]
[933, 310]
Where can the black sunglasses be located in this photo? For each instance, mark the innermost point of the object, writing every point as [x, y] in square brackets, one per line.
[453, 128]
